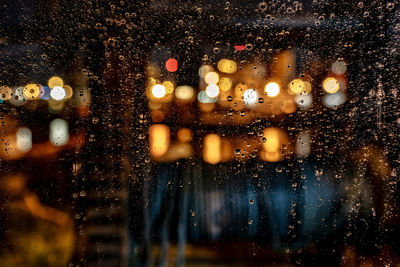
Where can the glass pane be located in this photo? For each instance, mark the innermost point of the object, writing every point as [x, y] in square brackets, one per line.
[177, 133]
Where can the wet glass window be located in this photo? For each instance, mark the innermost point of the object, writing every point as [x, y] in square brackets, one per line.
[199, 133]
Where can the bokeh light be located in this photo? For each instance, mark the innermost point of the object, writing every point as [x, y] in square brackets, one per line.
[184, 135]
[17, 98]
[31, 91]
[250, 96]
[339, 67]
[272, 89]
[288, 106]
[55, 81]
[5, 92]
[24, 139]
[296, 86]
[225, 84]
[171, 65]
[212, 90]
[169, 87]
[307, 87]
[159, 139]
[212, 149]
[203, 70]
[46, 93]
[158, 91]
[68, 91]
[41, 91]
[211, 77]
[330, 85]
[271, 142]
[334, 100]
[239, 47]
[275, 143]
[227, 66]
[59, 134]
[57, 93]
[184, 92]
[303, 100]
[203, 98]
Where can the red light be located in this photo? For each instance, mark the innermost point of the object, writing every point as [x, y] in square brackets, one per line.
[239, 47]
[171, 65]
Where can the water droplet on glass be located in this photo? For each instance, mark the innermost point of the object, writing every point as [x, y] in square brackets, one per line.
[262, 6]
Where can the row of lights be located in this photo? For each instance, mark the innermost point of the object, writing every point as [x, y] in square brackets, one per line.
[274, 145]
[333, 86]
[22, 140]
[250, 96]
[56, 90]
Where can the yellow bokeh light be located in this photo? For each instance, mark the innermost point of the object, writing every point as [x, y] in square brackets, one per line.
[55, 81]
[212, 90]
[226, 150]
[296, 86]
[169, 87]
[184, 135]
[272, 89]
[211, 77]
[225, 84]
[212, 149]
[184, 92]
[31, 91]
[271, 142]
[159, 139]
[68, 91]
[330, 85]
[5, 92]
[227, 66]
[275, 143]
[307, 87]
[158, 91]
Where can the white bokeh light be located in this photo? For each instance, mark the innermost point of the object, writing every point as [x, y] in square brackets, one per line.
[334, 100]
[59, 134]
[203, 98]
[303, 100]
[212, 90]
[24, 139]
[57, 93]
[272, 89]
[250, 96]
[158, 91]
